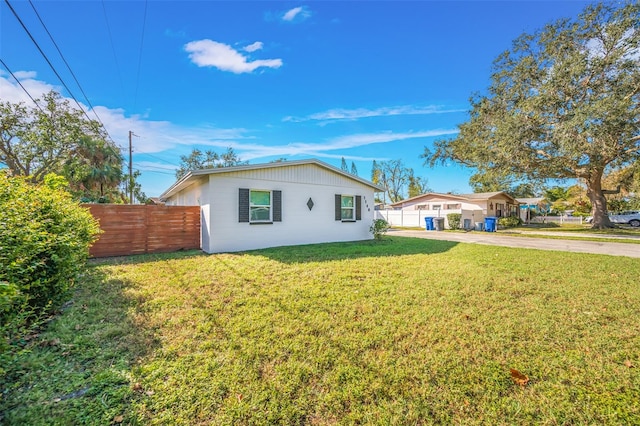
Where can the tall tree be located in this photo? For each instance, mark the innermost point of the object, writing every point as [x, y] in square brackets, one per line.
[490, 182]
[94, 170]
[37, 140]
[394, 177]
[375, 173]
[563, 103]
[417, 186]
[354, 169]
[344, 166]
[197, 160]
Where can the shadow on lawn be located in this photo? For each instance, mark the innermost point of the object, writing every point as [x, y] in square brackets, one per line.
[80, 360]
[323, 252]
[388, 246]
[147, 258]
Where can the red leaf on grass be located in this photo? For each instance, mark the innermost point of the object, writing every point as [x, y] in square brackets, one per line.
[519, 378]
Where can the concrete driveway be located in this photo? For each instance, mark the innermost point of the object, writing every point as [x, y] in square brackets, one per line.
[497, 239]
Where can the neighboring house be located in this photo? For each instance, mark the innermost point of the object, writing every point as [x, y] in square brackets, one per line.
[537, 206]
[473, 207]
[276, 204]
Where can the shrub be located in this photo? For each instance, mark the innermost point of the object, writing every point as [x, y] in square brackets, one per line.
[454, 220]
[44, 242]
[509, 222]
[378, 228]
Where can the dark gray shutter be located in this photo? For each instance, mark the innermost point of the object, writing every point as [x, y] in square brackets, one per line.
[277, 206]
[243, 205]
[338, 205]
[358, 207]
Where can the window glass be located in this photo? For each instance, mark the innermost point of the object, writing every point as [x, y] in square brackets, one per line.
[347, 210]
[260, 206]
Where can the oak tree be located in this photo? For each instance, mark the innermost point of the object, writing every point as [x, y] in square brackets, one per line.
[563, 103]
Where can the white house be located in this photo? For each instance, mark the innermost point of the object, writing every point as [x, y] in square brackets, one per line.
[276, 204]
[473, 208]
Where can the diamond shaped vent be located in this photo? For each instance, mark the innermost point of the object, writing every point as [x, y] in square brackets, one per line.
[310, 203]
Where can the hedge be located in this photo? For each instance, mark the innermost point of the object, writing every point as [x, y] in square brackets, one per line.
[44, 242]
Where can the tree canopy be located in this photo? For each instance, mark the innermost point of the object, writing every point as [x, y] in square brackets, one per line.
[54, 137]
[39, 139]
[398, 180]
[197, 160]
[563, 103]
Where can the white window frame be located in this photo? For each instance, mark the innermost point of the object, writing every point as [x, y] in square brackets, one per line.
[269, 206]
[352, 208]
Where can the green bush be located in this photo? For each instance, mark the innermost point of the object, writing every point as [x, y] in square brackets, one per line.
[378, 228]
[509, 222]
[44, 242]
[454, 220]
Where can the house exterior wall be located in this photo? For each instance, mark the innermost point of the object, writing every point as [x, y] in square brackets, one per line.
[219, 199]
[464, 204]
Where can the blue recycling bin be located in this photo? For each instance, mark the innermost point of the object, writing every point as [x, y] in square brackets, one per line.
[428, 222]
[491, 224]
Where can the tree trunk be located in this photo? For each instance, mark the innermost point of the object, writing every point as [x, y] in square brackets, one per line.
[598, 202]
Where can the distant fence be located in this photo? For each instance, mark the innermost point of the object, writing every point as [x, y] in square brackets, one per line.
[415, 218]
[558, 219]
[139, 229]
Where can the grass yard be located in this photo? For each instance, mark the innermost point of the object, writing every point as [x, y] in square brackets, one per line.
[402, 331]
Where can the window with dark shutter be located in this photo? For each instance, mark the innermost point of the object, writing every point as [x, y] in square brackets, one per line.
[277, 206]
[346, 208]
[358, 207]
[243, 205]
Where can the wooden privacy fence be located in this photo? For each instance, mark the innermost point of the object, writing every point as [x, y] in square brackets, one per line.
[138, 229]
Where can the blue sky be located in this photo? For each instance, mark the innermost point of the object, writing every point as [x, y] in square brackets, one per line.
[327, 79]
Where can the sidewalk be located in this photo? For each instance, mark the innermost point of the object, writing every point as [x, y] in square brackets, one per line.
[501, 239]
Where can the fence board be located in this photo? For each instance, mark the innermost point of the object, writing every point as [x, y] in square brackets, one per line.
[138, 229]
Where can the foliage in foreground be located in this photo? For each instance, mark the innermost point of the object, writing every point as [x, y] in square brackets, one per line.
[403, 331]
[44, 242]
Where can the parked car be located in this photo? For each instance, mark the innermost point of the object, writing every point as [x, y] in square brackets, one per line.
[628, 218]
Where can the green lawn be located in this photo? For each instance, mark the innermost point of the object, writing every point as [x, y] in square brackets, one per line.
[402, 331]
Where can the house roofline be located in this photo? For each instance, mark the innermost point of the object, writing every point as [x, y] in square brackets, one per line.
[190, 176]
[465, 197]
[459, 197]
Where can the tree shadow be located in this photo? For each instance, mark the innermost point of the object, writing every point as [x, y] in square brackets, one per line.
[329, 252]
[321, 252]
[146, 258]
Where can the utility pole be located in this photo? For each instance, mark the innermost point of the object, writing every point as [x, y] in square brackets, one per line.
[130, 168]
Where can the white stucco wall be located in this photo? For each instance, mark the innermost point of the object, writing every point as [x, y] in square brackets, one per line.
[219, 199]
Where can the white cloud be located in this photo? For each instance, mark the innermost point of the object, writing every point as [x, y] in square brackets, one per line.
[355, 114]
[209, 53]
[300, 12]
[12, 92]
[325, 149]
[253, 47]
[155, 136]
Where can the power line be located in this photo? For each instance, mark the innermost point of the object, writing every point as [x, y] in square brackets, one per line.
[158, 158]
[113, 48]
[46, 58]
[144, 25]
[23, 88]
[67, 64]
